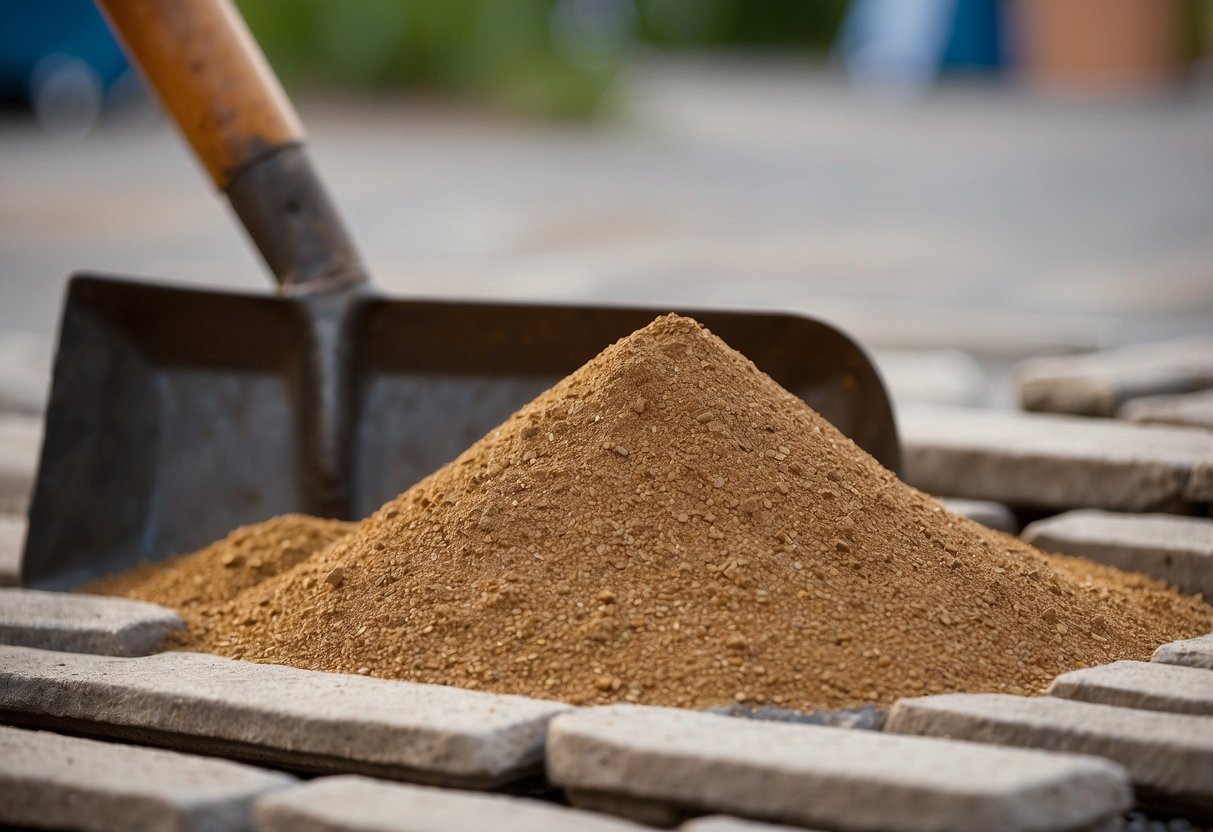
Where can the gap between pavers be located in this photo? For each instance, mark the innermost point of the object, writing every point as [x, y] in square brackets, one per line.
[1055, 462]
[77, 623]
[1190, 652]
[359, 804]
[301, 719]
[1096, 384]
[666, 763]
[1169, 756]
[1178, 550]
[12, 541]
[49, 780]
[1149, 685]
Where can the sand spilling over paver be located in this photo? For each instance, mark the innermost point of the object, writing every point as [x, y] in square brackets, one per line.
[203, 586]
[667, 525]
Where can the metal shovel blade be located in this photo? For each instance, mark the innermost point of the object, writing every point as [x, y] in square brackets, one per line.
[178, 414]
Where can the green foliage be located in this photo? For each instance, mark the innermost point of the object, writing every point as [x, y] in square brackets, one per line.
[549, 58]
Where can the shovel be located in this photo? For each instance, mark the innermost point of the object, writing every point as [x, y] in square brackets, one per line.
[177, 414]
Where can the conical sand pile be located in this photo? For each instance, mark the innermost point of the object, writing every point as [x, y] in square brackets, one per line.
[668, 525]
[205, 584]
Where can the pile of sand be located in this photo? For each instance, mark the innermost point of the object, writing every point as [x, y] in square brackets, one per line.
[203, 586]
[668, 525]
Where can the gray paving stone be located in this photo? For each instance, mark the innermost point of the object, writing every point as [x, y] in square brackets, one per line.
[723, 823]
[12, 542]
[1193, 410]
[1153, 686]
[1096, 384]
[700, 763]
[1190, 652]
[49, 780]
[25, 371]
[359, 804]
[1169, 756]
[934, 376]
[988, 513]
[304, 719]
[78, 623]
[1178, 550]
[1200, 483]
[20, 444]
[1051, 461]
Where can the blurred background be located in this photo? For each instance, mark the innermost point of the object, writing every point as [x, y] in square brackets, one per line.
[958, 183]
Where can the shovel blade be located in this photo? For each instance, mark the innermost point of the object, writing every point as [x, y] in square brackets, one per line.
[176, 414]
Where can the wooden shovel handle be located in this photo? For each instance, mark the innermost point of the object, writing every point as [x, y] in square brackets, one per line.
[211, 75]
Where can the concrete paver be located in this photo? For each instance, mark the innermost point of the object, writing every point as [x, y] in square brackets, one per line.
[25, 372]
[1200, 484]
[1190, 652]
[52, 781]
[1051, 461]
[723, 823]
[1178, 550]
[1098, 383]
[933, 376]
[1193, 410]
[79, 623]
[988, 513]
[1155, 686]
[1168, 756]
[301, 718]
[20, 444]
[830, 777]
[12, 543]
[359, 804]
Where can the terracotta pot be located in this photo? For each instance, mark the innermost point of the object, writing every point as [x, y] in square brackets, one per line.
[1097, 44]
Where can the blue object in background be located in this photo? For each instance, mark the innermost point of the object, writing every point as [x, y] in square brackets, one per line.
[37, 34]
[976, 39]
[902, 46]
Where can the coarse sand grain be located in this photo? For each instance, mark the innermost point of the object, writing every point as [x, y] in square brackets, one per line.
[667, 525]
[203, 586]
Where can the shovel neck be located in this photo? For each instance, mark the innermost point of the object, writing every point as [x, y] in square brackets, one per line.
[287, 212]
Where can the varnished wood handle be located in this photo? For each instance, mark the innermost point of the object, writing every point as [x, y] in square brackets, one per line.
[211, 75]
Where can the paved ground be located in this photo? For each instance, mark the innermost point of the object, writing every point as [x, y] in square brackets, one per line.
[993, 222]
[989, 219]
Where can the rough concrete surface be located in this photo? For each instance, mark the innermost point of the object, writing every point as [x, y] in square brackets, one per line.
[1097, 383]
[1178, 550]
[359, 804]
[1168, 756]
[1051, 461]
[1190, 652]
[78, 623]
[1193, 410]
[303, 718]
[49, 780]
[1153, 686]
[831, 777]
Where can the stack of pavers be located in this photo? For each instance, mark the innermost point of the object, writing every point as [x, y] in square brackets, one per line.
[102, 730]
